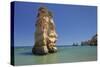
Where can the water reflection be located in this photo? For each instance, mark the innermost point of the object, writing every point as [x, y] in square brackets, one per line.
[50, 58]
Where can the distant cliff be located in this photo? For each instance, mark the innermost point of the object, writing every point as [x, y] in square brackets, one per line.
[91, 42]
[75, 44]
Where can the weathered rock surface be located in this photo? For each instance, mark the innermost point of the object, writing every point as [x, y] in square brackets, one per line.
[91, 42]
[45, 34]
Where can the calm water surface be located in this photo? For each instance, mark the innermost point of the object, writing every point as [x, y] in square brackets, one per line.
[24, 56]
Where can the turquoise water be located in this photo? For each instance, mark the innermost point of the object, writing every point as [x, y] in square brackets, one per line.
[23, 55]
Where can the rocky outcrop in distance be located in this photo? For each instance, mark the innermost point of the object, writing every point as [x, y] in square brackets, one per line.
[91, 42]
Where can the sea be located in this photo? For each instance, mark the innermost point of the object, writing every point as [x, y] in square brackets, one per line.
[65, 54]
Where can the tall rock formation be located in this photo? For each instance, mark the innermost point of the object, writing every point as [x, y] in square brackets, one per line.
[45, 34]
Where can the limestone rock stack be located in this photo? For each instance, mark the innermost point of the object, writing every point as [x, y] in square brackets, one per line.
[45, 33]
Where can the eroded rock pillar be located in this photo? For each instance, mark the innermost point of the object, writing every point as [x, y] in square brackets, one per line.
[45, 33]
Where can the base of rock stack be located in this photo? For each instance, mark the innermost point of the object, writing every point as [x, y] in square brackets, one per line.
[53, 50]
[43, 50]
[40, 50]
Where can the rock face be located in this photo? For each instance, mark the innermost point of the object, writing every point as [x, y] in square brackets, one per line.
[91, 42]
[45, 34]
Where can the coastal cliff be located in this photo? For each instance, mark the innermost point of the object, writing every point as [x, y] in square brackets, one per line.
[91, 42]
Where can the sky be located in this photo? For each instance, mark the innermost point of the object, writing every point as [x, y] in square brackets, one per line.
[74, 23]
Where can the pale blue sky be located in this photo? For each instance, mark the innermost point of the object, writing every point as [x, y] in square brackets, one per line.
[74, 23]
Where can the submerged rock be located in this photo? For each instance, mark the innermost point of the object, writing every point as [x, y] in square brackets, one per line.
[45, 34]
